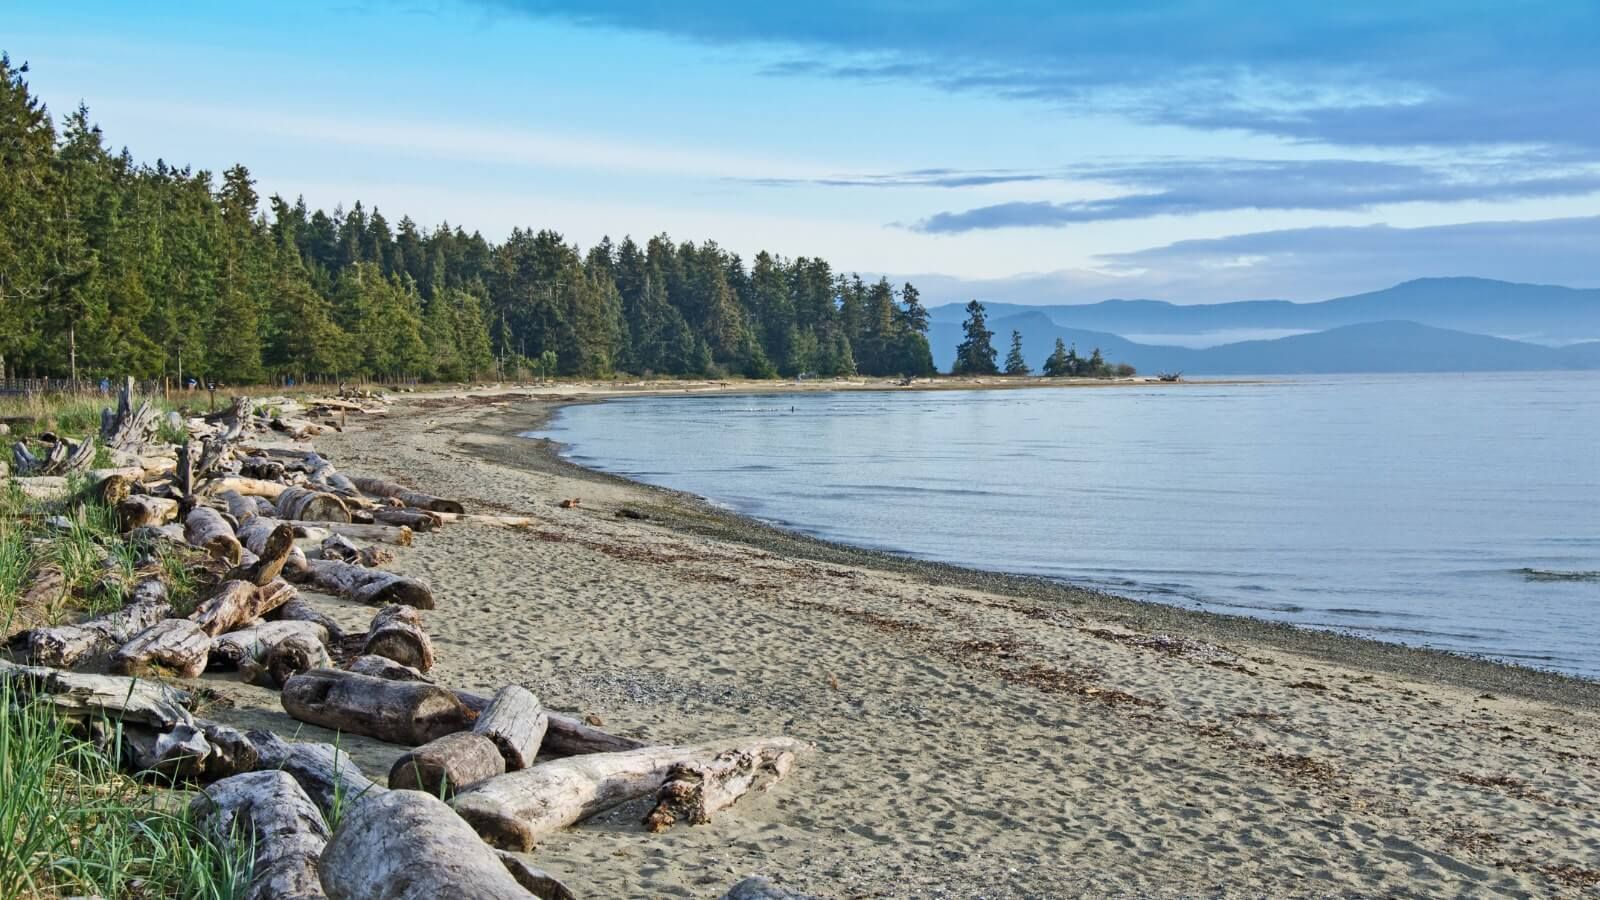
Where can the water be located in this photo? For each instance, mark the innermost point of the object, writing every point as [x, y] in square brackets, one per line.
[1404, 508]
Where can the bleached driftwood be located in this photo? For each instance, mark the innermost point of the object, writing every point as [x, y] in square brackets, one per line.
[269, 811]
[238, 602]
[248, 487]
[400, 712]
[695, 790]
[176, 646]
[516, 722]
[390, 534]
[517, 809]
[566, 736]
[203, 752]
[79, 695]
[535, 880]
[205, 528]
[270, 552]
[405, 845]
[447, 765]
[311, 506]
[297, 609]
[230, 649]
[327, 774]
[380, 488]
[65, 646]
[418, 520]
[363, 585]
[383, 667]
[142, 509]
[396, 633]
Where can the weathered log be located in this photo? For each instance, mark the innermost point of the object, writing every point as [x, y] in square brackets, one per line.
[272, 813]
[259, 535]
[400, 712]
[235, 420]
[320, 471]
[390, 534]
[261, 467]
[695, 790]
[78, 695]
[566, 736]
[337, 546]
[142, 509]
[240, 507]
[371, 586]
[289, 657]
[516, 722]
[419, 520]
[311, 506]
[249, 487]
[113, 489]
[517, 809]
[204, 527]
[445, 766]
[130, 427]
[380, 488]
[396, 633]
[203, 752]
[384, 667]
[276, 549]
[297, 609]
[65, 646]
[236, 603]
[176, 646]
[230, 650]
[183, 473]
[535, 880]
[405, 845]
[327, 774]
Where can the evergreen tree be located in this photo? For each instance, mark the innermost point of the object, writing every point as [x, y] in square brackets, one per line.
[1015, 364]
[975, 355]
[1097, 364]
[1057, 365]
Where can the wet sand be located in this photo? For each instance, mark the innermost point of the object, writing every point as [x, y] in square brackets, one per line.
[977, 735]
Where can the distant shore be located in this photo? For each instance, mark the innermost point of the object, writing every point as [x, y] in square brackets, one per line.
[978, 734]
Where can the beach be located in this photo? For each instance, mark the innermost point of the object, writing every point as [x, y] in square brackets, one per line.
[975, 735]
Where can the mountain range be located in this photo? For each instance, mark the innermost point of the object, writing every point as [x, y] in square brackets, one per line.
[1428, 325]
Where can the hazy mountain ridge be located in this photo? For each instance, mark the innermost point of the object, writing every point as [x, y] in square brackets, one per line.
[1427, 325]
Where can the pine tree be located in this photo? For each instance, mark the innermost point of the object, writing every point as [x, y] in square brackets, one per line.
[975, 355]
[1057, 365]
[1015, 364]
[1097, 364]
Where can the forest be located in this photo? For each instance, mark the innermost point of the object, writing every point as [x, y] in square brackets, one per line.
[110, 266]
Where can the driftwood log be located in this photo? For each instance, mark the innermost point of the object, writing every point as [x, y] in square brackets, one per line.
[384, 667]
[272, 813]
[176, 646]
[327, 774]
[248, 487]
[311, 506]
[289, 657]
[535, 880]
[389, 534]
[695, 790]
[517, 809]
[263, 537]
[143, 509]
[396, 633]
[566, 736]
[445, 766]
[199, 753]
[240, 506]
[418, 520]
[370, 586]
[516, 723]
[65, 646]
[238, 602]
[205, 528]
[380, 488]
[230, 649]
[400, 712]
[298, 610]
[81, 696]
[406, 845]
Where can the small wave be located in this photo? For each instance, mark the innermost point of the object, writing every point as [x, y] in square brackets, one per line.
[1529, 574]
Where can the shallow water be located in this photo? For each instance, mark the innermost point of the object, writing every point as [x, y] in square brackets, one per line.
[1451, 511]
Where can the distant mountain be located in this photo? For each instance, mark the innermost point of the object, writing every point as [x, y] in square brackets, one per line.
[1540, 314]
[1368, 347]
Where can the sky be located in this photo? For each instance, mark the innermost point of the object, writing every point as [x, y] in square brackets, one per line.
[1035, 152]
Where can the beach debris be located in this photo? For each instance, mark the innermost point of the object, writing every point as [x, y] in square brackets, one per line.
[409, 713]
[176, 646]
[627, 512]
[396, 633]
[515, 722]
[447, 765]
[570, 503]
[270, 812]
[695, 790]
[757, 888]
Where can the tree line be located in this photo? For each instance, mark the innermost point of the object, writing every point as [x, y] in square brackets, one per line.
[109, 266]
[975, 355]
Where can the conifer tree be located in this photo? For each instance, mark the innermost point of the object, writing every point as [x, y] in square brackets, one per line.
[1057, 366]
[975, 355]
[1015, 364]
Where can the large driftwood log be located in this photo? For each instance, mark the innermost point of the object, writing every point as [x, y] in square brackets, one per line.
[82, 696]
[175, 646]
[418, 520]
[270, 812]
[311, 506]
[289, 657]
[535, 880]
[204, 527]
[252, 642]
[130, 427]
[389, 534]
[248, 487]
[396, 633]
[277, 546]
[65, 646]
[384, 667]
[516, 722]
[327, 774]
[260, 535]
[405, 845]
[517, 809]
[371, 586]
[694, 791]
[447, 765]
[380, 488]
[143, 509]
[493, 521]
[199, 753]
[297, 609]
[400, 712]
[238, 602]
[240, 507]
[566, 736]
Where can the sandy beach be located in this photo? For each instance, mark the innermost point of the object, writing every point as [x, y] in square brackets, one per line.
[976, 735]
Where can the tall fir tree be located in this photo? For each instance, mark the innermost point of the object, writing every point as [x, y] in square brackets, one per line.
[1015, 364]
[975, 355]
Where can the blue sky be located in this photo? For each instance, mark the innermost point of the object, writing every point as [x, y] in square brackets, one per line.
[1189, 150]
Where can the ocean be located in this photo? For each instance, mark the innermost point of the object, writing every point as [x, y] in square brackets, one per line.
[1459, 512]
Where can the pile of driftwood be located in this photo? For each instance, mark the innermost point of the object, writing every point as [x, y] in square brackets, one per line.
[261, 515]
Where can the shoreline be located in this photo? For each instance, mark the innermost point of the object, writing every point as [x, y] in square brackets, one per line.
[693, 514]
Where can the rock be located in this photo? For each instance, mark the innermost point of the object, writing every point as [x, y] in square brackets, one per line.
[757, 888]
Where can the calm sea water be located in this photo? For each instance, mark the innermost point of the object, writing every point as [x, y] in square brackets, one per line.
[1405, 508]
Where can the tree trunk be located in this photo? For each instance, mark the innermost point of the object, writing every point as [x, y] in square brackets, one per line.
[229, 650]
[566, 735]
[445, 766]
[417, 520]
[289, 657]
[311, 506]
[81, 696]
[258, 533]
[249, 487]
[178, 646]
[379, 488]
[273, 814]
[298, 610]
[405, 845]
[400, 712]
[242, 508]
[65, 646]
[236, 603]
[384, 667]
[183, 475]
[204, 527]
[389, 534]
[517, 809]
[325, 772]
[199, 753]
[493, 521]
[695, 790]
[516, 722]
[397, 633]
[371, 586]
[276, 549]
[143, 509]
